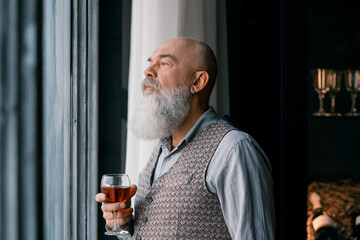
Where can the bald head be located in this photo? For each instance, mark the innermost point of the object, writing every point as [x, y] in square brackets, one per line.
[202, 57]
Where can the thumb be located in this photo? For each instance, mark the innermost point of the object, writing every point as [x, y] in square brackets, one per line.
[100, 197]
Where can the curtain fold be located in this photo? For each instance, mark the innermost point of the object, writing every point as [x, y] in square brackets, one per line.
[70, 122]
[20, 133]
[155, 21]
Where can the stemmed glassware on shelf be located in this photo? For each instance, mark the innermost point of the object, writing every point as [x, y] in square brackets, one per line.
[334, 79]
[352, 84]
[329, 81]
[321, 86]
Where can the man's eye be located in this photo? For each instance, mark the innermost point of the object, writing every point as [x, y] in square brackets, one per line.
[164, 63]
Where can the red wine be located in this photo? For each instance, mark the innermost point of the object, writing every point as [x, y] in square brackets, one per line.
[116, 194]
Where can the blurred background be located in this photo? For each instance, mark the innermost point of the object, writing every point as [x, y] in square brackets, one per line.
[67, 71]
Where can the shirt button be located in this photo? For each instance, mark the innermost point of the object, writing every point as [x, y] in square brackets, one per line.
[138, 238]
[145, 219]
[149, 199]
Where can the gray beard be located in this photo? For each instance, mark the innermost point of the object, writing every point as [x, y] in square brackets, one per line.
[160, 114]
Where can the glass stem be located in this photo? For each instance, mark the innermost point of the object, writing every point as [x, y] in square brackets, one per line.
[353, 102]
[116, 226]
[321, 108]
[332, 103]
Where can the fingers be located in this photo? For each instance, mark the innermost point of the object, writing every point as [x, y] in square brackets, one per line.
[119, 211]
[112, 207]
[108, 215]
[118, 215]
[122, 217]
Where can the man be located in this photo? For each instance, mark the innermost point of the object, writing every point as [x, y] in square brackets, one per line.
[205, 179]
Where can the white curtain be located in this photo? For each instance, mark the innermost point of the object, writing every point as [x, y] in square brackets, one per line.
[155, 21]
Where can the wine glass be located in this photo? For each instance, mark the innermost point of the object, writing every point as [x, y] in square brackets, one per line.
[117, 189]
[352, 84]
[321, 86]
[334, 79]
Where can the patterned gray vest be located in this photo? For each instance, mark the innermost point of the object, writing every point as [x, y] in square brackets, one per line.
[178, 205]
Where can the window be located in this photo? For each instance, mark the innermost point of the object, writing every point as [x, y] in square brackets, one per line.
[49, 119]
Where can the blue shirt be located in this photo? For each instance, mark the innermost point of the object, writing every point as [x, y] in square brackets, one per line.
[239, 174]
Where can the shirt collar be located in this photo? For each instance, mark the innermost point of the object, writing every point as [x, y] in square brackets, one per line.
[205, 120]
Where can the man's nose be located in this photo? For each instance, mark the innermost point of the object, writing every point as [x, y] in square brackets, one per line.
[150, 72]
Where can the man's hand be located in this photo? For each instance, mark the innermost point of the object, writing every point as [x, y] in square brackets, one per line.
[121, 211]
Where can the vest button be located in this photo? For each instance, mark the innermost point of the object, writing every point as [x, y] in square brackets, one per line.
[145, 219]
[149, 199]
[138, 238]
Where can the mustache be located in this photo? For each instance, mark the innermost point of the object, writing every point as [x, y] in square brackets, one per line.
[151, 83]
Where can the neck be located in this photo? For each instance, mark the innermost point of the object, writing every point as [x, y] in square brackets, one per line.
[179, 134]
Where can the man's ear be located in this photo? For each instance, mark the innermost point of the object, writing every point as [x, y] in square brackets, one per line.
[200, 81]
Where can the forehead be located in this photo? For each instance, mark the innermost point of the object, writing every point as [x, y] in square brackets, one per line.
[177, 48]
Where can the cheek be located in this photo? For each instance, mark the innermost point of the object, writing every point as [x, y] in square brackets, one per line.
[168, 80]
[185, 77]
[175, 78]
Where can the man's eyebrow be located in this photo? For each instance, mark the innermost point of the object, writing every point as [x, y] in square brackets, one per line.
[164, 56]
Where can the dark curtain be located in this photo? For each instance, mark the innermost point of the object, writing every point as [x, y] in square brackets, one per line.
[114, 51]
[273, 45]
